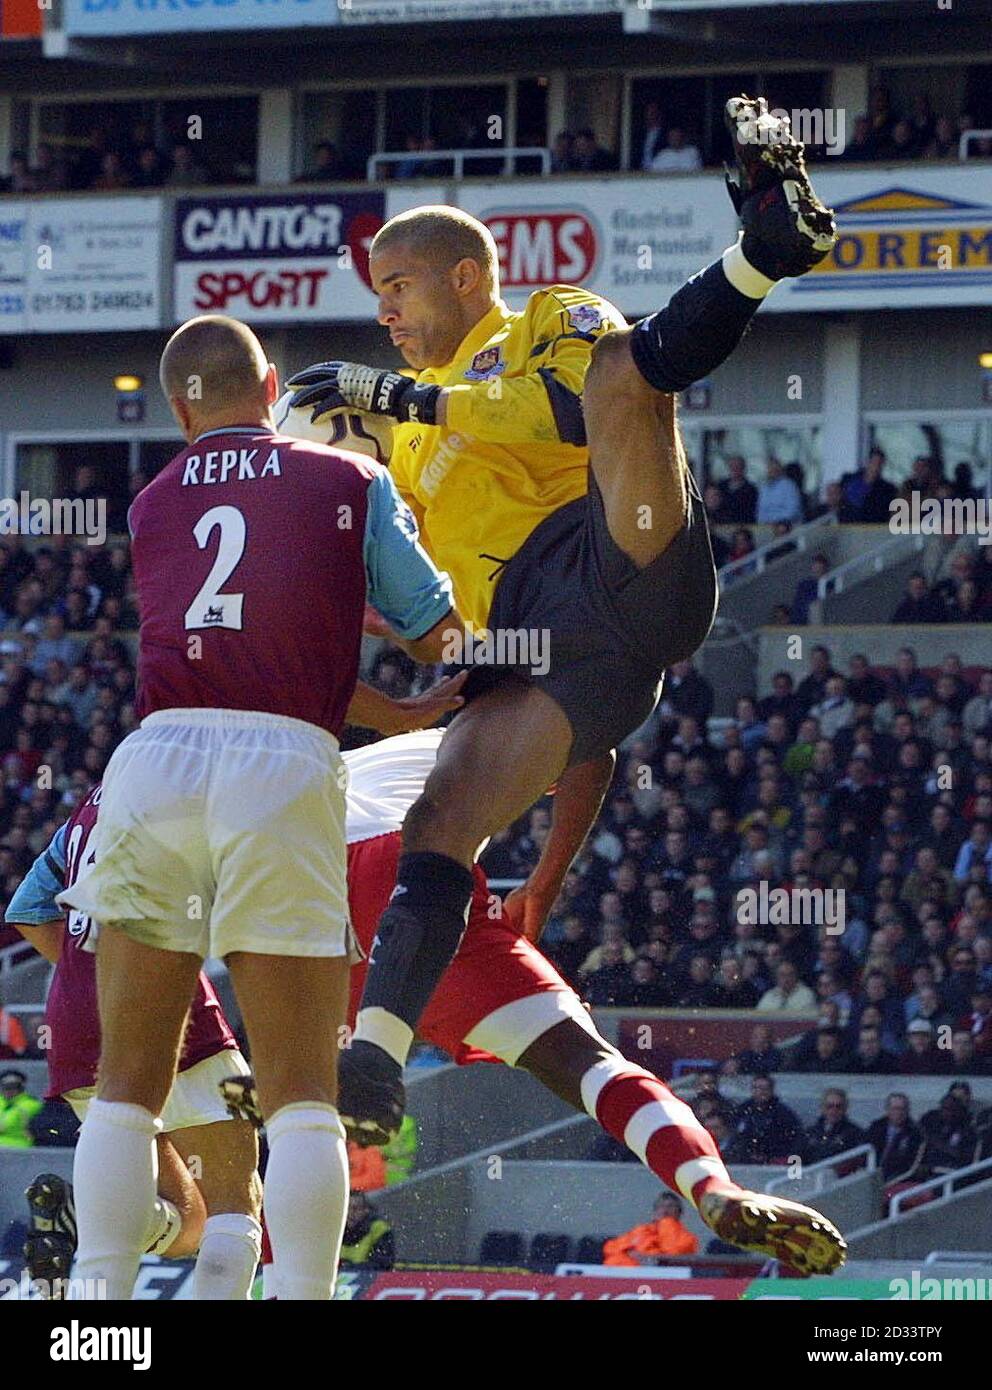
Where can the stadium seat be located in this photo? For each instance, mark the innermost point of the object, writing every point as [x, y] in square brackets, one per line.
[547, 1251]
[589, 1250]
[501, 1248]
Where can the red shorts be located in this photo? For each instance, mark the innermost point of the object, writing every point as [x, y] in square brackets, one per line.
[499, 993]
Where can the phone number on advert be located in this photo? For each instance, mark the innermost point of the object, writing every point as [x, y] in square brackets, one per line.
[98, 301]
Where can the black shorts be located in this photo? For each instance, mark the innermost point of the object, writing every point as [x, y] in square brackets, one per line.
[601, 631]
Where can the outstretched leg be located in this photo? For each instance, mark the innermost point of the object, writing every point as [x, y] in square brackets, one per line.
[640, 1111]
[640, 469]
[472, 792]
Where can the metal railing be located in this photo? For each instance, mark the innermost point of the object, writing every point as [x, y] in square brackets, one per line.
[798, 539]
[458, 158]
[826, 1168]
[15, 954]
[944, 1185]
[966, 138]
[864, 566]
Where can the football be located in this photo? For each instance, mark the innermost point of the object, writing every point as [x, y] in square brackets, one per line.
[362, 433]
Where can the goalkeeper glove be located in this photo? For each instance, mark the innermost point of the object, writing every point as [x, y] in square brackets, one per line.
[328, 386]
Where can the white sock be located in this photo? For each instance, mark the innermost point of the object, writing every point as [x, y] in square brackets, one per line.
[166, 1223]
[114, 1177]
[229, 1254]
[306, 1198]
[742, 274]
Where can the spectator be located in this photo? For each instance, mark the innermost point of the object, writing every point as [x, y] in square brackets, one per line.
[896, 1138]
[949, 1137]
[861, 145]
[606, 986]
[740, 497]
[678, 156]
[48, 174]
[654, 134]
[908, 682]
[813, 687]
[17, 1110]
[563, 153]
[832, 1133]
[149, 168]
[963, 1060]
[400, 1153]
[186, 171]
[835, 711]
[19, 179]
[863, 686]
[664, 1235]
[113, 175]
[778, 497]
[766, 1130]
[790, 995]
[867, 495]
[326, 165]
[589, 157]
[366, 1168]
[944, 144]
[368, 1238]
[919, 606]
[686, 692]
[807, 590]
[976, 850]
[871, 1058]
[921, 1057]
[828, 1054]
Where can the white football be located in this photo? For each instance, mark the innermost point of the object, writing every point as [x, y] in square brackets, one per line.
[371, 435]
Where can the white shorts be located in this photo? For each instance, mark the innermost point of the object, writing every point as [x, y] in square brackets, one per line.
[195, 1096]
[221, 831]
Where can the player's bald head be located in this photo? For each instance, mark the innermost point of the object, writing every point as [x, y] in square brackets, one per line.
[215, 362]
[442, 236]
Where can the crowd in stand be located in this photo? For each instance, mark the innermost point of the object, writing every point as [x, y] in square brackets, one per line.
[663, 142]
[764, 1129]
[875, 784]
[113, 160]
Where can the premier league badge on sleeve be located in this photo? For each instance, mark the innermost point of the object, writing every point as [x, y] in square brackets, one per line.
[485, 364]
[585, 318]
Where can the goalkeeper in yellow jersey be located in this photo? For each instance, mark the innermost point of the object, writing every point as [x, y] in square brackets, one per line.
[540, 454]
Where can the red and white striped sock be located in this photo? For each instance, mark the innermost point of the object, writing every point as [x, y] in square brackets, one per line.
[640, 1111]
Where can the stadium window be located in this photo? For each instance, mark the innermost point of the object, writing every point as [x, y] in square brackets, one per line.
[82, 133]
[421, 119]
[790, 444]
[952, 443]
[797, 92]
[228, 149]
[78, 468]
[346, 120]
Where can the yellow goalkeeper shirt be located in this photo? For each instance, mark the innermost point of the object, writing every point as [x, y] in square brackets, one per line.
[513, 449]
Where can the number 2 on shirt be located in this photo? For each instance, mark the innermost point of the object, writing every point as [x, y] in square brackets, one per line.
[210, 608]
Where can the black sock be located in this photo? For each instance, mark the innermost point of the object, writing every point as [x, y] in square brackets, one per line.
[698, 329]
[418, 935]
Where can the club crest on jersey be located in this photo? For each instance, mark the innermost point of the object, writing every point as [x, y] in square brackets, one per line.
[485, 364]
[586, 318]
